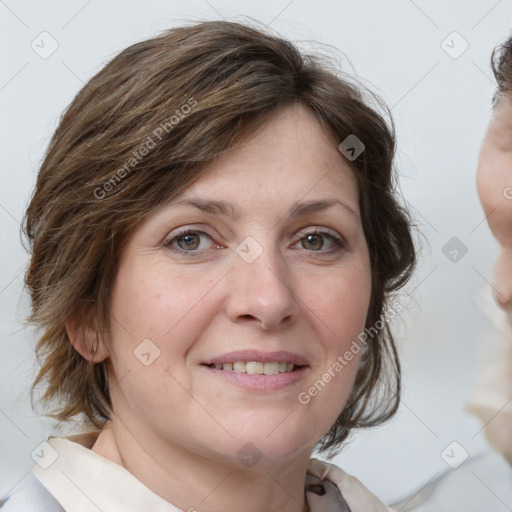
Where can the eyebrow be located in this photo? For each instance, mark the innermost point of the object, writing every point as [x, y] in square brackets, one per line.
[299, 209]
[213, 207]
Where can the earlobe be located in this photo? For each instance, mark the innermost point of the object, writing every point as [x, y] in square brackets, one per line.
[88, 342]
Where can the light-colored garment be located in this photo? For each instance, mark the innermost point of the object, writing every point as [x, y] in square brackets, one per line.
[79, 480]
[483, 482]
[491, 400]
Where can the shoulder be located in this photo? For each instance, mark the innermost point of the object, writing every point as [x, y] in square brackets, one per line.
[30, 496]
[354, 493]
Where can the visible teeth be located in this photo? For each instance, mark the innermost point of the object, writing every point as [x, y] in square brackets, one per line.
[239, 366]
[271, 368]
[256, 367]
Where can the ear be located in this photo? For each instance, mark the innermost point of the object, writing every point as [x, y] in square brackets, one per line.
[88, 342]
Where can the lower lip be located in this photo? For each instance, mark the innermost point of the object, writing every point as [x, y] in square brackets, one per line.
[260, 382]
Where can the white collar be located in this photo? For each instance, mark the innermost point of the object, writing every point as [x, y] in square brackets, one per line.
[76, 477]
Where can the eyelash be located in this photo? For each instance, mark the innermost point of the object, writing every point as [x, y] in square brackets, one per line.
[339, 243]
[170, 243]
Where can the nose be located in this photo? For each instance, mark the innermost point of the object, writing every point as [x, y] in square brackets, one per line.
[261, 292]
[503, 279]
[504, 298]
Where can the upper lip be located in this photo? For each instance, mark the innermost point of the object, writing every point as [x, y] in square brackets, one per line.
[257, 356]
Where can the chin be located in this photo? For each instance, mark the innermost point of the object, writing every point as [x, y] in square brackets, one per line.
[272, 445]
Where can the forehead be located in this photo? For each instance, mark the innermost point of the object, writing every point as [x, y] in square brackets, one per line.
[499, 132]
[291, 153]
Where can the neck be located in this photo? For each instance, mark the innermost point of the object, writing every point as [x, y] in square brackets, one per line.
[197, 483]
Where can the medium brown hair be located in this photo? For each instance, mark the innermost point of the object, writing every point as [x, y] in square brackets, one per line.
[138, 134]
[501, 63]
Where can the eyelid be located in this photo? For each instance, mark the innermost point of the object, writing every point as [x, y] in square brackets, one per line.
[183, 230]
[179, 232]
[338, 240]
[320, 230]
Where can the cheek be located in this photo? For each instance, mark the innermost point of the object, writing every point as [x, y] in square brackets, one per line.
[494, 182]
[343, 308]
[338, 309]
[341, 315]
[157, 316]
[344, 301]
[347, 318]
[156, 301]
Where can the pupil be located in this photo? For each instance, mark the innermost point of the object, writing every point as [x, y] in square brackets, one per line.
[314, 241]
[189, 242]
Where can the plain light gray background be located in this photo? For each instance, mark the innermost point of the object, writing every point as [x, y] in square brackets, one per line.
[441, 106]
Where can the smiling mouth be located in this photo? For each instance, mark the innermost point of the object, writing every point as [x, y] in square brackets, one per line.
[256, 368]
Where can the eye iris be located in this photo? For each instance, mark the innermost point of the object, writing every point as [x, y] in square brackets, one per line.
[312, 241]
[189, 241]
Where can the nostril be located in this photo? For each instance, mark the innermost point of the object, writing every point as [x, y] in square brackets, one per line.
[247, 317]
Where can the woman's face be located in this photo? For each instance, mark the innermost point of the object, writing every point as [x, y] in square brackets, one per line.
[494, 181]
[261, 263]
